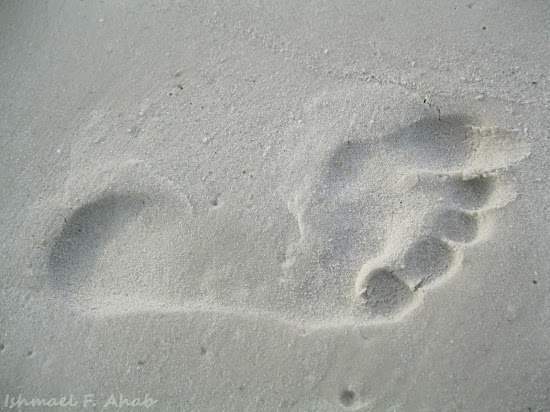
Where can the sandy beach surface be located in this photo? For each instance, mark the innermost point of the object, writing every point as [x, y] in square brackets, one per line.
[306, 206]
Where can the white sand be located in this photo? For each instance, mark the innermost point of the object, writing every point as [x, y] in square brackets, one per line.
[295, 206]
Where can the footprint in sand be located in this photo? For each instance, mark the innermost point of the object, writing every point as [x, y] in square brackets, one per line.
[386, 286]
[397, 212]
[444, 193]
[113, 227]
[77, 248]
[380, 222]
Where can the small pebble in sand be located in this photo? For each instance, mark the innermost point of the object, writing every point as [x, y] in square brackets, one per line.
[479, 97]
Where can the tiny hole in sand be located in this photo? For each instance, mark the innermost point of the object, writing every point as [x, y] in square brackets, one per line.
[347, 397]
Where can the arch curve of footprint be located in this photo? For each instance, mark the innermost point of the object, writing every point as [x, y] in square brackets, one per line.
[431, 186]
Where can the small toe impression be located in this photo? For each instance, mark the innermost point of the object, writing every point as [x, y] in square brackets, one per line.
[472, 193]
[426, 260]
[456, 225]
[385, 295]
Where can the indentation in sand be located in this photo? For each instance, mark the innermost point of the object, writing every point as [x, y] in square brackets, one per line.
[426, 243]
[85, 233]
[374, 223]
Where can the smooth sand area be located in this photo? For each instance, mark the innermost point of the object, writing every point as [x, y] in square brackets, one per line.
[306, 206]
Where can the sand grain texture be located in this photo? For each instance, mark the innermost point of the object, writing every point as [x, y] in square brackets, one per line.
[285, 206]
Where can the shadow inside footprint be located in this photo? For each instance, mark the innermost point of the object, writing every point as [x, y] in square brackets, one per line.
[76, 249]
[434, 142]
[472, 193]
[426, 260]
[456, 225]
[385, 295]
[467, 193]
